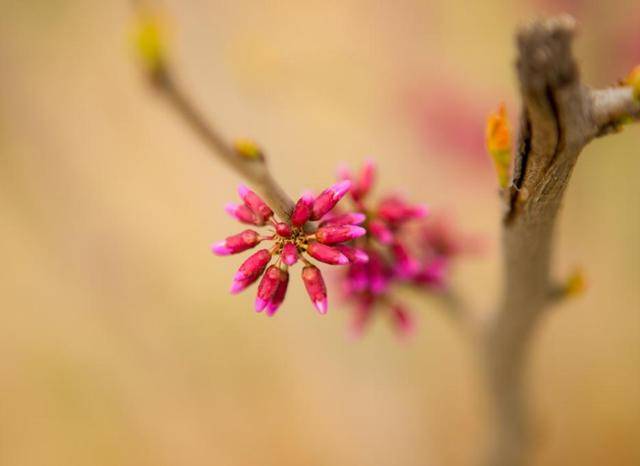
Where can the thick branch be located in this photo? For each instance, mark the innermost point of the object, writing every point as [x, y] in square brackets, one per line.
[559, 117]
[253, 169]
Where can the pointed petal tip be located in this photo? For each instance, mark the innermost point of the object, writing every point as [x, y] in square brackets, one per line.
[357, 232]
[236, 287]
[357, 218]
[230, 208]
[321, 305]
[220, 249]
[307, 195]
[361, 257]
[339, 189]
[260, 304]
[342, 260]
[242, 190]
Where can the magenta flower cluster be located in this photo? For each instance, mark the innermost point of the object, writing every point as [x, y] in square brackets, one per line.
[384, 245]
[404, 249]
[297, 239]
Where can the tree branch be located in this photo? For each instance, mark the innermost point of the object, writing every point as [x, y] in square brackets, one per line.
[612, 107]
[560, 117]
[253, 169]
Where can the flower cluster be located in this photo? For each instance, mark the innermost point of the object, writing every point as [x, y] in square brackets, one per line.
[292, 241]
[403, 250]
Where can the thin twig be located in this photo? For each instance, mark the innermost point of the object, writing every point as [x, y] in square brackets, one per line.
[253, 169]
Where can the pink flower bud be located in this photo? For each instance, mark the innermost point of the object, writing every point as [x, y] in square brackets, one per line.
[379, 274]
[278, 296]
[283, 229]
[329, 198]
[367, 177]
[355, 256]
[253, 267]
[236, 243]
[339, 234]
[362, 186]
[289, 254]
[267, 287]
[316, 288]
[255, 203]
[406, 265]
[302, 210]
[242, 213]
[381, 231]
[395, 210]
[239, 285]
[402, 320]
[350, 218]
[327, 254]
[357, 279]
[434, 273]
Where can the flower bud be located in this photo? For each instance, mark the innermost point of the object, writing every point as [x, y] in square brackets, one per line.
[329, 198]
[350, 218]
[267, 287]
[379, 275]
[365, 182]
[395, 210]
[339, 234]
[357, 278]
[236, 243]
[283, 229]
[278, 296]
[239, 285]
[253, 267]
[255, 203]
[434, 273]
[380, 231]
[406, 266]
[327, 254]
[355, 256]
[302, 210]
[289, 254]
[316, 288]
[242, 213]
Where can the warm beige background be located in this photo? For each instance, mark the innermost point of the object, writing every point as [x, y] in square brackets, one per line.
[119, 344]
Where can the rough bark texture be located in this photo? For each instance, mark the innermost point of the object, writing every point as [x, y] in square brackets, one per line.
[559, 117]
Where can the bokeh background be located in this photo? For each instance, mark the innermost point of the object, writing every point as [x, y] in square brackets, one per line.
[119, 343]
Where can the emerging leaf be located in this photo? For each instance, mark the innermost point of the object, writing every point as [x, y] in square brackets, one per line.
[633, 80]
[498, 139]
[247, 149]
[576, 284]
[149, 40]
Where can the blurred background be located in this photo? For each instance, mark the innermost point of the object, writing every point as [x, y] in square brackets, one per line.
[119, 342]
